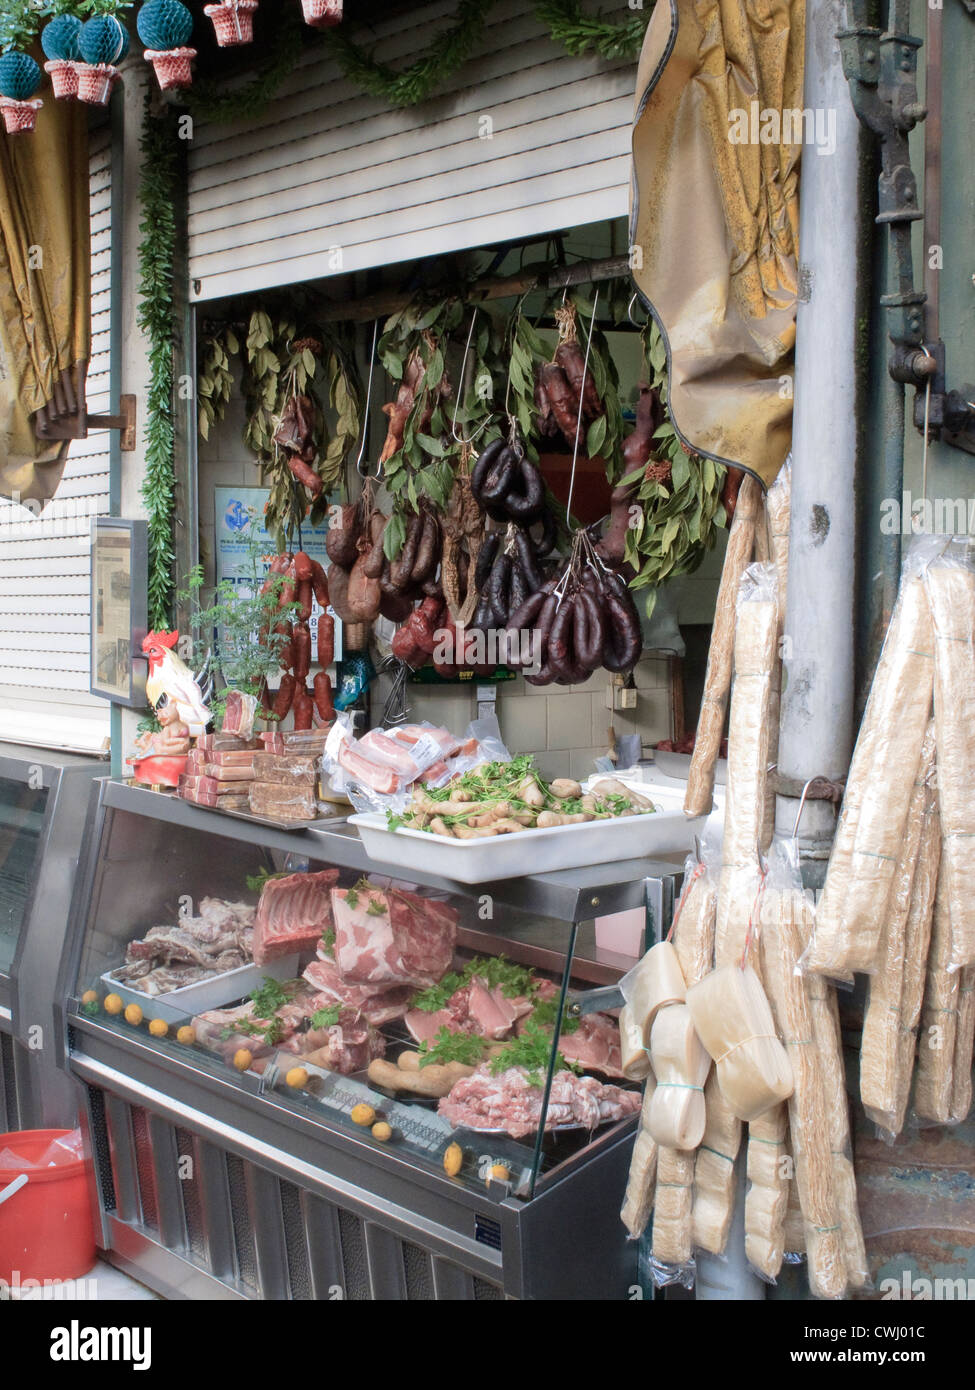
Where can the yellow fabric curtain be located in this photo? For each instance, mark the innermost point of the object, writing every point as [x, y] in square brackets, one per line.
[45, 297]
[716, 142]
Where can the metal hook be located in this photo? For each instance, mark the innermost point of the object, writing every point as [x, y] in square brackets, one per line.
[802, 802]
[365, 414]
[463, 371]
[629, 311]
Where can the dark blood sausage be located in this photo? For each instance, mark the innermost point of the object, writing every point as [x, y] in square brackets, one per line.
[623, 640]
[323, 696]
[499, 478]
[326, 639]
[485, 559]
[526, 506]
[560, 655]
[572, 360]
[497, 591]
[285, 695]
[305, 474]
[587, 631]
[549, 538]
[340, 543]
[394, 605]
[523, 617]
[518, 588]
[302, 649]
[426, 550]
[319, 584]
[372, 565]
[303, 707]
[401, 568]
[527, 559]
[485, 461]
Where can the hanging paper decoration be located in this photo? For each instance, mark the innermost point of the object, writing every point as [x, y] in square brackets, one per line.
[322, 14]
[103, 42]
[59, 40]
[233, 21]
[20, 78]
[165, 27]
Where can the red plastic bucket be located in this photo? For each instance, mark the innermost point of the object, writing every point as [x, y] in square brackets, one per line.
[46, 1229]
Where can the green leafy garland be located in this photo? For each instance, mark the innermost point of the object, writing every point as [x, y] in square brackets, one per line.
[566, 21]
[157, 193]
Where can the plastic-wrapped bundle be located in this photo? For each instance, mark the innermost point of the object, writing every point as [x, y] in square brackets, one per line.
[939, 1017]
[917, 941]
[735, 1024]
[634, 1062]
[951, 592]
[638, 1202]
[777, 508]
[852, 909]
[714, 1171]
[756, 641]
[672, 1229]
[961, 1076]
[680, 1066]
[880, 1045]
[717, 681]
[794, 1230]
[781, 947]
[651, 985]
[693, 934]
[767, 1198]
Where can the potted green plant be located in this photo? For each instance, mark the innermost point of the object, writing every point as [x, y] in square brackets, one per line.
[59, 40]
[20, 75]
[165, 27]
[103, 42]
[233, 21]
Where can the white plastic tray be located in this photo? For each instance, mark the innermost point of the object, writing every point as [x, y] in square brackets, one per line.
[205, 994]
[665, 831]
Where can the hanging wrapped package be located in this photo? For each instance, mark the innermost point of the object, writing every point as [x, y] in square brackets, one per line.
[950, 585]
[717, 680]
[634, 1062]
[672, 1244]
[680, 1066]
[651, 985]
[852, 910]
[934, 1089]
[781, 947]
[735, 1024]
[714, 1171]
[767, 1198]
[756, 633]
[961, 1078]
[880, 1045]
[638, 1201]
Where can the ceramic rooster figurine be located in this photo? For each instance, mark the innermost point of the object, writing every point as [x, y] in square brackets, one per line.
[170, 681]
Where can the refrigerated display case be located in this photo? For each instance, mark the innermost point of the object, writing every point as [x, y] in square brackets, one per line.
[43, 804]
[230, 1161]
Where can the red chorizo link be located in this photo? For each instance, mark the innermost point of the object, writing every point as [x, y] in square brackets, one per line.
[326, 639]
[303, 707]
[323, 696]
[302, 648]
[283, 699]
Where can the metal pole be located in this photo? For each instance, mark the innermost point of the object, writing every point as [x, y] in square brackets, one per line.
[817, 703]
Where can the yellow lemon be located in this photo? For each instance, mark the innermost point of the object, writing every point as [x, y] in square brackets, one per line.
[242, 1059]
[113, 1004]
[186, 1034]
[382, 1131]
[133, 1015]
[362, 1115]
[158, 1027]
[498, 1173]
[89, 997]
[453, 1160]
[297, 1077]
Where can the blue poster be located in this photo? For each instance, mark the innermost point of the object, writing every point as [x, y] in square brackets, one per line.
[239, 515]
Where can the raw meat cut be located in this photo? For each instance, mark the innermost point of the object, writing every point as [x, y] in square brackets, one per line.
[377, 1004]
[196, 948]
[390, 753]
[511, 1103]
[369, 770]
[595, 1045]
[292, 914]
[392, 937]
[346, 1046]
[350, 1045]
[474, 1008]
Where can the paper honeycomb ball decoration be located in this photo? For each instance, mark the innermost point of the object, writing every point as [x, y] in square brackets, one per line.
[20, 76]
[59, 39]
[164, 24]
[103, 40]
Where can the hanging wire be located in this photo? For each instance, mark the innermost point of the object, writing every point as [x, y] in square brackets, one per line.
[582, 389]
[457, 438]
[365, 415]
[802, 802]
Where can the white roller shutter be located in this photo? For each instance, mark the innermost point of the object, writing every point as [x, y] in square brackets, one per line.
[524, 140]
[44, 559]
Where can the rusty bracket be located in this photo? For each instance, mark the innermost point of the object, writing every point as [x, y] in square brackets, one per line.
[124, 423]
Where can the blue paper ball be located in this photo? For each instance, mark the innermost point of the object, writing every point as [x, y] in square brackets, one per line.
[59, 39]
[20, 76]
[164, 24]
[103, 40]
